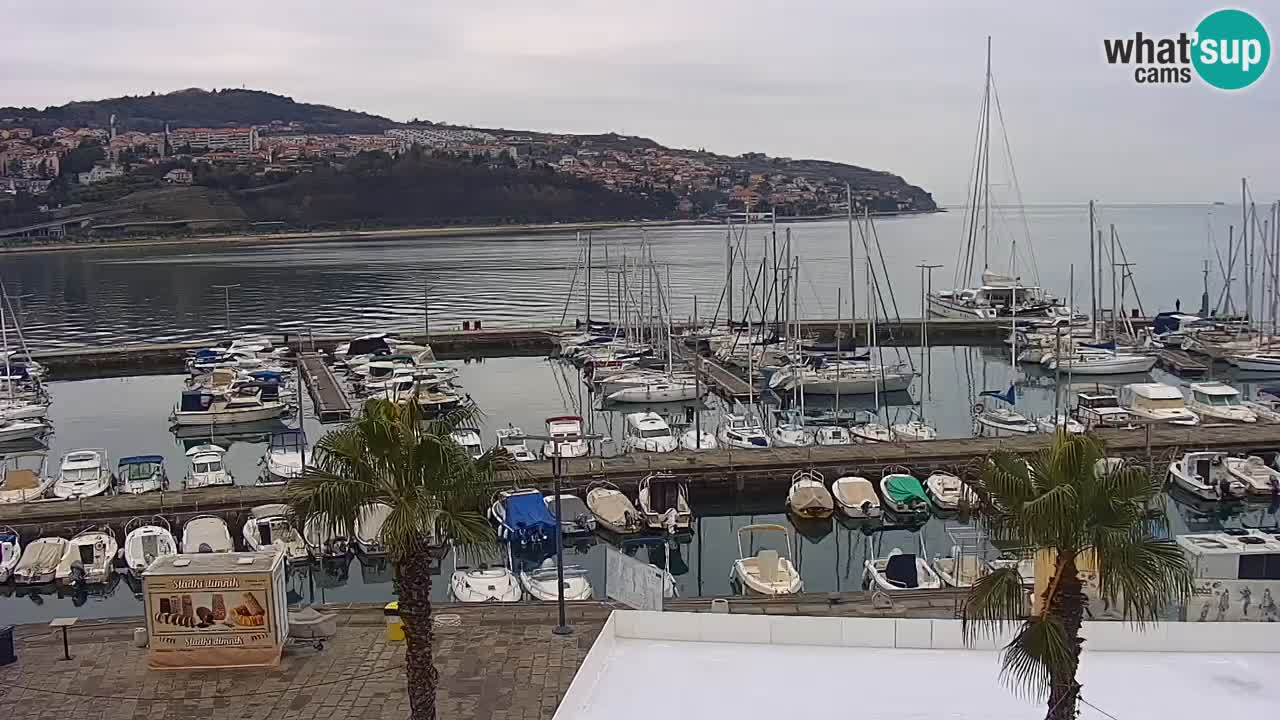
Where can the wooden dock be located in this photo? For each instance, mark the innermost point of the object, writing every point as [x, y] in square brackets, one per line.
[725, 382]
[712, 475]
[327, 396]
[1180, 362]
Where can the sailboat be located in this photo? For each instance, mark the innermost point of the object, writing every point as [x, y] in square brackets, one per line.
[998, 295]
[1002, 421]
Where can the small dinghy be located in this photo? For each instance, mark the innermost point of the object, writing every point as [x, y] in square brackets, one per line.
[765, 573]
[10, 552]
[483, 584]
[808, 497]
[959, 570]
[88, 557]
[1260, 479]
[206, 534]
[40, 559]
[540, 583]
[856, 498]
[612, 509]
[904, 496]
[324, 540]
[900, 571]
[664, 503]
[287, 457]
[268, 528]
[948, 492]
[146, 540]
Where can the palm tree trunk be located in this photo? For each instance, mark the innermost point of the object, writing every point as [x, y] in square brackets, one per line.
[1067, 605]
[413, 574]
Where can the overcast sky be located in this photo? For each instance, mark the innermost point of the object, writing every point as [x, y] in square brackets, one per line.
[894, 88]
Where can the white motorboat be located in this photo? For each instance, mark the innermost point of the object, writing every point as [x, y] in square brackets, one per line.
[369, 524]
[647, 432]
[484, 584]
[692, 439]
[512, 440]
[83, 473]
[206, 534]
[1101, 409]
[1265, 412]
[664, 503]
[145, 541]
[742, 432]
[948, 492]
[18, 430]
[23, 410]
[871, 431]
[1256, 362]
[1157, 402]
[576, 518]
[324, 539]
[833, 435]
[1054, 423]
[88, 557]
[667, 390]
[612, 509]
[808, 497]
[268, 528]
[1003, 421]
[245, 403]
[40, 560]
[1215, 401]
[540, 583]
[469, 439]
[1259, 478]
[915, 429]
[843, 379]
[207, 468]
[287, 457]
[791, 433]
[900, 571]
[561, 429]
[856, 498]
[1205, 475]
[10, 552]
[1091, 361]
[766, 572]
[24, 478]
[141, 474]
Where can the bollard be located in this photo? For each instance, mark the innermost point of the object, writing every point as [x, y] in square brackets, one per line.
[720, 605]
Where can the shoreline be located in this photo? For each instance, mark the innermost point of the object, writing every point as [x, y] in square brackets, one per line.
[302, 237]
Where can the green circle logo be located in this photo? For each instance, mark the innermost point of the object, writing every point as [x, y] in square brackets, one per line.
[1232, 49]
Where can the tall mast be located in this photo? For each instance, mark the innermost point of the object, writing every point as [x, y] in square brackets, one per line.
[986, 163]
[728, 264]
[1244, 241]
[1114, 328]
[853, 303]
[588, 281]
[4, 340]
[1093, 287]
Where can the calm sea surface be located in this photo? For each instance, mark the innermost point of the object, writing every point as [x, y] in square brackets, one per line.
[103, 296]
[128, 416]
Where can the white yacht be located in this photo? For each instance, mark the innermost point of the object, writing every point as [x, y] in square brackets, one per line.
[1218, 402]
[999, 296]
[18, 430]
[469, 439]
[1004, 421]
[88, 556]
[83, 473]
[1157, 402]
[145, 541]
[287, 457]
[206, 534]
[207, 469]
[559, 428]
[1205, 475]
[242, 404]
[858, 378]
[512, 440]
[139, 474]
[833, 435]
[742, 432]
[24, 477]
[765, 573]
[664, 390]
[40, 560]
[664, 503]
[268, 528]
[1092, 361]
[1265, 361]
[647, 432]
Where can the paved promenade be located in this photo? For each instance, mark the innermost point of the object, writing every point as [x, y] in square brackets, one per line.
[501, 663]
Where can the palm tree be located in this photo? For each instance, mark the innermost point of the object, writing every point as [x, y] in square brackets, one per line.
[1071, 502]
[437, 494]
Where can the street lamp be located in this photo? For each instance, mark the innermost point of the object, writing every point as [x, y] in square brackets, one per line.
[557, 468]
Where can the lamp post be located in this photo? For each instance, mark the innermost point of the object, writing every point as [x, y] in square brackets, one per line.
[557, 468]
[226, 300]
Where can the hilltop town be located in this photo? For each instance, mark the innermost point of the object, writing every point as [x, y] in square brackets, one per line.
[70, 156]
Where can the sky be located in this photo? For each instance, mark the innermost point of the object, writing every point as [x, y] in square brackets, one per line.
[891, 86]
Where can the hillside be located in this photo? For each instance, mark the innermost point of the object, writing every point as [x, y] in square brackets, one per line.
[195, 108]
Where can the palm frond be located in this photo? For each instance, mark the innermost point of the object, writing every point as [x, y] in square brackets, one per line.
[1143, 574]
[1041, 651]
[995, 601]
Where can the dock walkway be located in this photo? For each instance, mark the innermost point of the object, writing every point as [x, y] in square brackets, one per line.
[711, 474]
[327, 396]
[724, 381]
[1180, 362]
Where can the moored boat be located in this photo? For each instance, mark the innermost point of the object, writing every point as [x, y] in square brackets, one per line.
[83, 473]
[808, 497]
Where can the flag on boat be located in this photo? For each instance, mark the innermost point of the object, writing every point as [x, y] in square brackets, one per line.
[1007, 396]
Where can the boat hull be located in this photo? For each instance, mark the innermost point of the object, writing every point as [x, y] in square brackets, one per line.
[223, 419]
[887, 383]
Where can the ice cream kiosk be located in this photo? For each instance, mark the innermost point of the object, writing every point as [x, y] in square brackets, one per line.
[216, 610]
